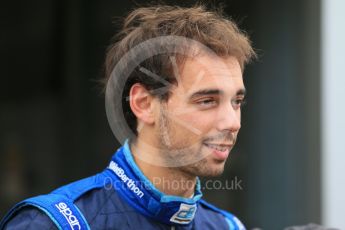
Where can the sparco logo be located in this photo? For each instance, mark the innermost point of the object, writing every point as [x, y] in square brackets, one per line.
[67, 213]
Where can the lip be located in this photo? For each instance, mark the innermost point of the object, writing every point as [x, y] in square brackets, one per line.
[226, 145]
[220, 155]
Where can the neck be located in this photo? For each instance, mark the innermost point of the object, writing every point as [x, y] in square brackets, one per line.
[169, 180]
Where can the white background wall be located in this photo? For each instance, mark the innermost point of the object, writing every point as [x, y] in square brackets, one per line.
[333, 113]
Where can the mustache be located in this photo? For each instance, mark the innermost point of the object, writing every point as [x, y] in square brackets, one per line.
[222, 137]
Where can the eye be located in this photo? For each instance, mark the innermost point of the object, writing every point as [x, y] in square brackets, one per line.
[238, 103]
[207, 102]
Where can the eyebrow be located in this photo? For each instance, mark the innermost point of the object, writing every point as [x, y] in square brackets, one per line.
[205, 92]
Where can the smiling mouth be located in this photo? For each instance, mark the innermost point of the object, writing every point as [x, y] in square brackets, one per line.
[218, 147]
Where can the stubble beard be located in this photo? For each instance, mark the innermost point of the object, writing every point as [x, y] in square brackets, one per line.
[181, 154]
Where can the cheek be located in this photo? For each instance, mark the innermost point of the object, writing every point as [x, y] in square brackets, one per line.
[189, 123]
[199, 122]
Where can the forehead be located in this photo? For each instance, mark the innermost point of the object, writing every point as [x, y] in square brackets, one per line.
[211, 72]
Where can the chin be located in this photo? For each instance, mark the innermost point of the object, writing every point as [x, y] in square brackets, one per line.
[214, 172]
[205, 168]
[213, 168]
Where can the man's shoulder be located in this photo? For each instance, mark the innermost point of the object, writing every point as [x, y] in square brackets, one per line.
[29, 217]
[87, 199]
[217, 214]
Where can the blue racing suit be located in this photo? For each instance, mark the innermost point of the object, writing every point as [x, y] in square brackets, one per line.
[120, 197]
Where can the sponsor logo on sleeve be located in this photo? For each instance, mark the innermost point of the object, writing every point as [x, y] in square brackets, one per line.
[68, 214]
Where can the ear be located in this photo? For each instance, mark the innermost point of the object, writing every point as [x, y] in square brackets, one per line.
[142, 103]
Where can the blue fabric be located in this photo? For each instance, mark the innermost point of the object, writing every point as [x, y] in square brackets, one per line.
[30, 217]
[60, 210]
[233, 221]
[121, 197]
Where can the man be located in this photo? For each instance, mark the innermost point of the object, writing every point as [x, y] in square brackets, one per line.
[175, 76]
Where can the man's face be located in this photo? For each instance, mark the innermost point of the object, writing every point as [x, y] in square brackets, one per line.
[198, 125]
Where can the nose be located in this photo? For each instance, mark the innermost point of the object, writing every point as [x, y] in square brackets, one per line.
[229, 119]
